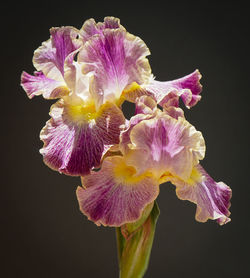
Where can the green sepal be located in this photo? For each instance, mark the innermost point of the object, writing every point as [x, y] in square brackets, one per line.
[134, 242]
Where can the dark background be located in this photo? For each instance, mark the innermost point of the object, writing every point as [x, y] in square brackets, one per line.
[43, 232]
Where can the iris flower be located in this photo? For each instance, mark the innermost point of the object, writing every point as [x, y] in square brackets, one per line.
[156, 146]
[92, 71]
[122, 162]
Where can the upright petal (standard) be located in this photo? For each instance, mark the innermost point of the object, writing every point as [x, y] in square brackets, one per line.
[115, 57]
[49, 60]
[165, 145]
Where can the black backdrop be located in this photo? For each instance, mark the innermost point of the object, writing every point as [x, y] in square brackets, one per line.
[43, 232]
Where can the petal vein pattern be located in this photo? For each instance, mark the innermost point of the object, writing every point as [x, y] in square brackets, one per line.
[92, 71]
[75, 139]
[113, 196]
[212, 199]
[50, 57]
[49, 60]
[188, 88]
[116, 58]
[165, 145]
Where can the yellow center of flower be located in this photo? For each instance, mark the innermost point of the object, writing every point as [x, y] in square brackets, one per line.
[82, 112]
[127, 174]
[195, 177]
[132, 87]
[167, 176]
[128, 94]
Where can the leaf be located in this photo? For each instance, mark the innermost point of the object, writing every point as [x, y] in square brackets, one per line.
[134, 242]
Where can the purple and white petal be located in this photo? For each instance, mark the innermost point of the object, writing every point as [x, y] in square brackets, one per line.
[165, 145]
[91, 28]
[145, 109]
[113, 196]
[39, 84]
[111, 22]
[76, 137]
[117, 59]
[188, 88]
[212, 199]
[50, 57]
[174, 112]
[145, 105]
[77, 82]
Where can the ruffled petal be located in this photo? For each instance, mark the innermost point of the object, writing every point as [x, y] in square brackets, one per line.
[145, 105]
[91, 28]
[39, 84]
[187, 87]
[212, 199]
[77, 82]
[50, 57]
[111, 22]
[113, 196]
[174, 112]
[117, 59]
[76, 137]
[146, 108]
[165, 145]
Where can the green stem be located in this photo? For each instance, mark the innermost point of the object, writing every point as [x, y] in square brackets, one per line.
[134, 243]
